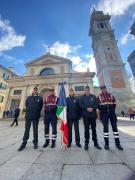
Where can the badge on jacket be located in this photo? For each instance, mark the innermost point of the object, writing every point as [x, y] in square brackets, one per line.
[91, 99]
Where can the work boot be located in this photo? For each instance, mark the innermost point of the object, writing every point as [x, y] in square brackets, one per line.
[106, 147]
[96, 145]
[69, 145]
[119, 147]
[86, 147]
[79, 145]
[35, 146]
[117, 144]
[22, 147]
[46, 143]
[53, 144]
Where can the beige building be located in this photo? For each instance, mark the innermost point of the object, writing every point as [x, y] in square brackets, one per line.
[5, 74]
[46, 72]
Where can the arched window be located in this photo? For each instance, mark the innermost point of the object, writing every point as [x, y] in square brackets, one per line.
[101, 25]
[46, 72]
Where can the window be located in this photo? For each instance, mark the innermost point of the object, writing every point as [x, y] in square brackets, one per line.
[62, 69]
[1, 99]
[79, 88]
[17, 92]
[101, 25]
[4, 74]
[3, 86]
[116, 78]
[46, 72]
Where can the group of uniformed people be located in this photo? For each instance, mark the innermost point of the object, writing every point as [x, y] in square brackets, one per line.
[84, 106]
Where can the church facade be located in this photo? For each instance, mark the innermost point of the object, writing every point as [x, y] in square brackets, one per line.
[45, 72]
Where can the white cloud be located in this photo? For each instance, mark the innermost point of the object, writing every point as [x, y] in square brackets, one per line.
[8, 37]
[83, 65]
[62, 49]
[68, 51]
[115, 7]
[10, 59]
[76, 60]
[126, 37]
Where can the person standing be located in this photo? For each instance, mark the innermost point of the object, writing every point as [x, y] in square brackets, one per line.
[88, 104]
[131, 113]
[34, 104]
[16, 115]
[73, 116]
[107, 105]
[50, 118]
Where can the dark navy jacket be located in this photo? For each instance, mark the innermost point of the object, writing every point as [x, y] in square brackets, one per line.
[73, 108]
[88, 102]
[34, 106]
[17, 112]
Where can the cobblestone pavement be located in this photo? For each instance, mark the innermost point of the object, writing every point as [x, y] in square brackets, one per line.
[65, 164]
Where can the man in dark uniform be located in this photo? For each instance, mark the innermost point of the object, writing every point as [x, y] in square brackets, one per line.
[107, 105]
[16, 115]
[73, 116]
[34, 104]
[88, 104]
[50, 118]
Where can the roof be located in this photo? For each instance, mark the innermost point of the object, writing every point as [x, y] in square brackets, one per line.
[131, 56]
[47, 55]
[6, 69]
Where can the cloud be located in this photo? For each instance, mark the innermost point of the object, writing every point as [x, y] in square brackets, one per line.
[62, 49]
[89, 63]
[68, 51]
[10, 59]
[126, 37]
[8, 37]
[115, 7]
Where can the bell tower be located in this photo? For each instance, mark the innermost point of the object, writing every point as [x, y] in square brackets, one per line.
[110, 68]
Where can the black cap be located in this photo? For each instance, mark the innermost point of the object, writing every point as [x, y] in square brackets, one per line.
[87, 87]
[103, 87]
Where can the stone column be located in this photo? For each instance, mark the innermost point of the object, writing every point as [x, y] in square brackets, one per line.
[22, 103]
[7, 98]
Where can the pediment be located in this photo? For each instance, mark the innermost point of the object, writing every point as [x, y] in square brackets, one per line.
[47, 59]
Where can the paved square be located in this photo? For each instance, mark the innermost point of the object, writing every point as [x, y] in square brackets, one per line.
[70, 164]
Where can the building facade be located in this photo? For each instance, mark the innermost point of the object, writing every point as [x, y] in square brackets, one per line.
[110, 68]
[131, 61]
[4, 75]
[132, 29]
[45, 72]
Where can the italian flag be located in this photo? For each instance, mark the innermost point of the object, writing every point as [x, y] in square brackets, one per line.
[62, 115]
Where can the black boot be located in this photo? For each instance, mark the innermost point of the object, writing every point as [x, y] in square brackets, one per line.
[46, 143]
[86, 146]
[117, 144]
[22, 147]
[106, 147]
[35, 146]
[53, 144]
[97, 146]
[69, 145]
[79, 145]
